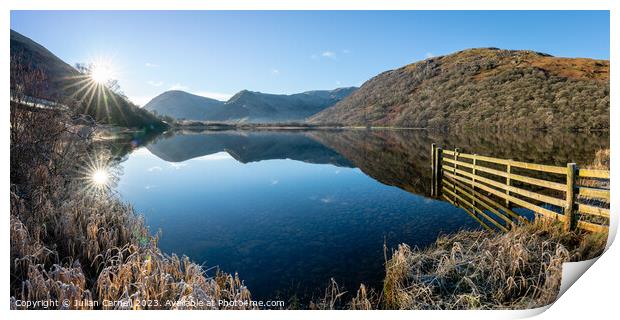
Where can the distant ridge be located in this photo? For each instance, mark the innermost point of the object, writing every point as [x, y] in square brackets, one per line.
[247, 106]
[182, 105]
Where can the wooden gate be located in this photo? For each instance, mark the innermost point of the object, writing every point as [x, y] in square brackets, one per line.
[489, 189]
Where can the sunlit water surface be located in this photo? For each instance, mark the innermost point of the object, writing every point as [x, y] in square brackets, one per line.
[290, 210]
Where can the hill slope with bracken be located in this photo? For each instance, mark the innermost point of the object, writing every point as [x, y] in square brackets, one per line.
[65, 84]
[482, 88]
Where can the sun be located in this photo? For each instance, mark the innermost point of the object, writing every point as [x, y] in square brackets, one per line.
[101, 73]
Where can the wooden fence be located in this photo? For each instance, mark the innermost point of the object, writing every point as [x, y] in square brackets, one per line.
[489, 189]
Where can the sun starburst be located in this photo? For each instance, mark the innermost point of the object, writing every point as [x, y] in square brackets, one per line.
[97, 89]
[98, 175]
[101, 73]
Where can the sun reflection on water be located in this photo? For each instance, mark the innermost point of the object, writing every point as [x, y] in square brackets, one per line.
[100, 177]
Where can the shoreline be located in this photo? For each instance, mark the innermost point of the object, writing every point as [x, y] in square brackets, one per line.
[220, 126]
[98, 229]
[112, 130]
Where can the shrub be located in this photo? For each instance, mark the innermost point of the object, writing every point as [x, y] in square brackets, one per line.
[74, 240]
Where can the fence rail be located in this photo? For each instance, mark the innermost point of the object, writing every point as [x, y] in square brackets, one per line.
[489, 188]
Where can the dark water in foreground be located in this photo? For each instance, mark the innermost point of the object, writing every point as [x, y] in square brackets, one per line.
[290, 210]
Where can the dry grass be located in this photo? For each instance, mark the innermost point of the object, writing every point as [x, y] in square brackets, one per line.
[84, 245]
[71, 241]
[518, 269]
[477, 270]
[364, 299]
[600, 162]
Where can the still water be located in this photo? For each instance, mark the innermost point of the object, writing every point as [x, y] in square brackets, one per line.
[288, 210]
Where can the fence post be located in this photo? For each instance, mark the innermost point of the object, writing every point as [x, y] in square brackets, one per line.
[508, 169]
[456, 158]
[437, 171]
[433, 170]
[569, 211]
[473, 172]
[473, 183]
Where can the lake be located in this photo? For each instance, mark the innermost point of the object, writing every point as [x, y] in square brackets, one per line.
[288, 210]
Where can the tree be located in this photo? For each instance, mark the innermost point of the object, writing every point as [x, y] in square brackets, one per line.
[111, 84]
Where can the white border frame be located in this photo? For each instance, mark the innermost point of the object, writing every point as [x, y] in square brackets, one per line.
[593, 296]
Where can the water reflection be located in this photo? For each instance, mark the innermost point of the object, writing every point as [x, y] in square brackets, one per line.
[290, 209]
[245, 147]
[399, 158]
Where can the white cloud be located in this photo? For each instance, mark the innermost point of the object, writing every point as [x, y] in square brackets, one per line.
[429, 55]
[149, 187]
[151, 65]
[338, 83]
[346, 51]
[178, 165]
[274, 182]
[155, 168]
[155, 83]
[275, 71]
[178, 86]
[328, 54]
[214, 95]
[327, 199]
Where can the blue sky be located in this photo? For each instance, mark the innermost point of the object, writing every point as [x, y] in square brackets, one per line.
[218, 53]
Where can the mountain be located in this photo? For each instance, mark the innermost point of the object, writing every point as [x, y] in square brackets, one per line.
[247, 106]
[482, 88]
[63, 83]
[182, 105]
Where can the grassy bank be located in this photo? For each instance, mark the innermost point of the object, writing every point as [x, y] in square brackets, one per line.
[519, 269]
[73, 239]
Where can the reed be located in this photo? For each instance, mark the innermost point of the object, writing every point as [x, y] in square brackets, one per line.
[74, 241]
[601, 161]
[334, 298]
[519, 269]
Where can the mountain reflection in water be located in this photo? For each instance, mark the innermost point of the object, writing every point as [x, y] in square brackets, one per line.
[288, 210]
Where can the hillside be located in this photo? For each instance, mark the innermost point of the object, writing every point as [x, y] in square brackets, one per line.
[482, 88]
[247, 106]
[65, 84]
[182, 105]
